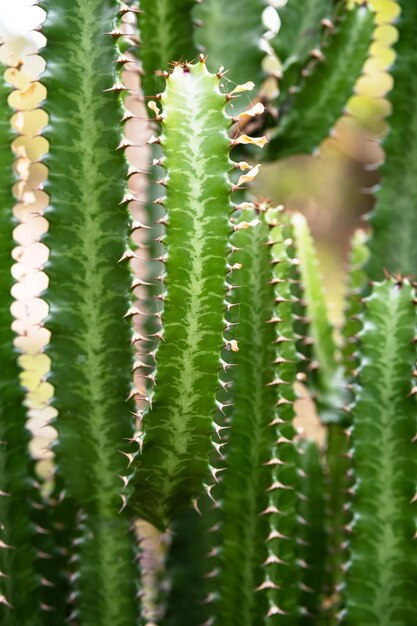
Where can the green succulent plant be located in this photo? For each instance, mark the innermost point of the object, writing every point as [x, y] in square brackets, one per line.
[265, 526]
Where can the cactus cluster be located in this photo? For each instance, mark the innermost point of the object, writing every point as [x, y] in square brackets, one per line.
[176, 405]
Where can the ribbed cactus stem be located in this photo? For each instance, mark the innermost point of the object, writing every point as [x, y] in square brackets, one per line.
[311, 537]
[19, 598]
[382, 531]
[281, 571]
[243, 490]
[89, 283]
[177, 428]
[166, 35]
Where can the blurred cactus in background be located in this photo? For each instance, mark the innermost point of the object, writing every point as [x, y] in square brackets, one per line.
[185, 314]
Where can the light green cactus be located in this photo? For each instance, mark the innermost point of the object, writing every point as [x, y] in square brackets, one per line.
[392, 242]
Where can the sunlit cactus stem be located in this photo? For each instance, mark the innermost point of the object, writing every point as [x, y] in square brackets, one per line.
[173, 461]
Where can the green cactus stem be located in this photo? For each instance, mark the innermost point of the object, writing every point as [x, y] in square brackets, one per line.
[281, 571]
[244, 486]
[322, 369]
[187, 569]
[166, 35]
[302, 28]
[88, 298]
[177, 428]
[392, 243]
[308, 116]
[311, 537]
[382, 531]
[222, 25]
[357, 282]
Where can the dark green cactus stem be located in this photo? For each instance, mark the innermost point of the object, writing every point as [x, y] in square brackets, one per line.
[57, 514]
[385, 463]
[187, 569]
[322, 372]
[166, 35]
[338, 481]
[281, 571]
[311, 537]
[357, 282]
[223, 24]
[244, 487]
[339, 475]
[87, 296]
[303, 25]
[310, 113]
[392, 243]
[178, 426]
[19, 597]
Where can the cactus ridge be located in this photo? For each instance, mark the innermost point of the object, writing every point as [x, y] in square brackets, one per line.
[243, 489]
[303, 29]
[307, 118]
[311, 535]
[382, 530]
[323, 372]
[222, 24]
[179, 422]
[357, 283]
[90, 333]
[281, 583]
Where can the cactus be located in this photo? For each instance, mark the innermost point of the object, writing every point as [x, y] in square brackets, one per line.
[328, 83]
[266, 527]
[166, 35]
[392, 242]
[224, 24]
[383, 523]
[178, 425]
[302, 27]
[312, 538]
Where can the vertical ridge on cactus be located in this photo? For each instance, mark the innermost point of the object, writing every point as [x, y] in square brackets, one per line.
[244, 484]
[281, 572]
[382, 531]
[392, 242]
[308, 116]
[177, 428]
[88, 298]
[19, 580]
[311, 535]
[166, 34]
[187, 571]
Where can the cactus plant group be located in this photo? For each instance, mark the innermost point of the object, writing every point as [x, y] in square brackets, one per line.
[176, 406]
